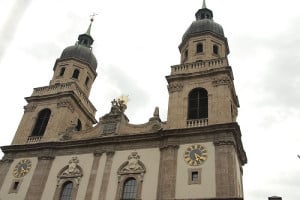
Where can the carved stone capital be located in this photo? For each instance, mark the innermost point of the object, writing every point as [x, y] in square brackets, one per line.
[224, 142]
[169, 146]
[175, 87]
[223, 80]
[46, 157]
[66, 103]
[6, 160]
[30, 108]
[98, 153]
[110, 153]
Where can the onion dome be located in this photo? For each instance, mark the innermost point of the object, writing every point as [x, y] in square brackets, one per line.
[204, 23]
[82, 50]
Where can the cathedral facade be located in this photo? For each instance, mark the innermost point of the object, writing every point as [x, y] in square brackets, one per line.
[61, 152]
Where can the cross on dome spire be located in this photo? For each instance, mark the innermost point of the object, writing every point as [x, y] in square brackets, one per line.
[86, 39]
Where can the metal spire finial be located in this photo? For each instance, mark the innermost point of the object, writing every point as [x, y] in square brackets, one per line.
[204, 4]
[90, 26]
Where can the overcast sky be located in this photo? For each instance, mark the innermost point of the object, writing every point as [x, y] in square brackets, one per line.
[136, 42]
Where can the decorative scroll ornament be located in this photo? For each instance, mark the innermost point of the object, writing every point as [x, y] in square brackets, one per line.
[132, 166]
[72, 172]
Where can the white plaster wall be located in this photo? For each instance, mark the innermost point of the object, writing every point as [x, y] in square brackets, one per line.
[85, 162]
[207, 187]
[20, 195]
[98, 181]
[150, 158]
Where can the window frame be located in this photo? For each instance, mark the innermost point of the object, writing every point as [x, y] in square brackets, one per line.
[199, 44]
[62, 71]
[192, 181]
[41, 122]
[132, 193]
[215, 49]
[69, 190]
[199, 111]
[75, 74]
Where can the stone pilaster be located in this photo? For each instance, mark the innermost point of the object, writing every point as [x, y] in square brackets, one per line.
[39, 178]
[167, 172]
[91, 184]
[106, 175]
[4, 167]
[226, 174]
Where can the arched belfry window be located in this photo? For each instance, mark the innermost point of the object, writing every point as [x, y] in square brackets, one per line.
[129, 189]
[66, 193]
[41, 122]
[216, 49]
[199, 48]
[198, 104]
[62, 71]
[75, 74]
[78, 127]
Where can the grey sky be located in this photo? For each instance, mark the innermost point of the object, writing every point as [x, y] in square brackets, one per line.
[136, 42]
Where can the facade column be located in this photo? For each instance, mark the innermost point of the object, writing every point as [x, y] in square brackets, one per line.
[4, 167]
[167, 172]
[39, 178]
[226, 166]
[91, 184]
[106, 175]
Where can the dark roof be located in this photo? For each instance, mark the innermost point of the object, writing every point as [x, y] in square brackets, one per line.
[80, 52]
[204, 23]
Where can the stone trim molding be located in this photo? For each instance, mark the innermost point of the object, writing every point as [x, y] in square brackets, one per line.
[167, 172]
[106, 175]
[39, 179]
[92, 179]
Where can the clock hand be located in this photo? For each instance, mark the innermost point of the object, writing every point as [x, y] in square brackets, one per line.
[197, 157]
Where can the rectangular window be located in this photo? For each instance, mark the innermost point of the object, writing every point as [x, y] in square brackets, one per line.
[194, 176]
[15, 186]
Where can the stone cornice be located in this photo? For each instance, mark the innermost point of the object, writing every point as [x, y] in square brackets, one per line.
[160, 139]
[89, 112]
[208, 73]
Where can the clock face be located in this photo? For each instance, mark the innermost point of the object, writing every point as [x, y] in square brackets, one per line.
[22, 168]
[195, 155]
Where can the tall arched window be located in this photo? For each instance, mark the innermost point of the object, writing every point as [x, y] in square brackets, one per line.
[129, 189]
[66, 192]
[75, 74]
[198, 104]
[78, 127]
[41, 122]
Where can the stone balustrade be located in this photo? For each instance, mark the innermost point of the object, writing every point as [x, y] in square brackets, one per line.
[33, 139]
[196, 123]
[65, 87]
[198, 66]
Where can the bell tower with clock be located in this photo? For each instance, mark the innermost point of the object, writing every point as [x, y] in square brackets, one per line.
[203, 109]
